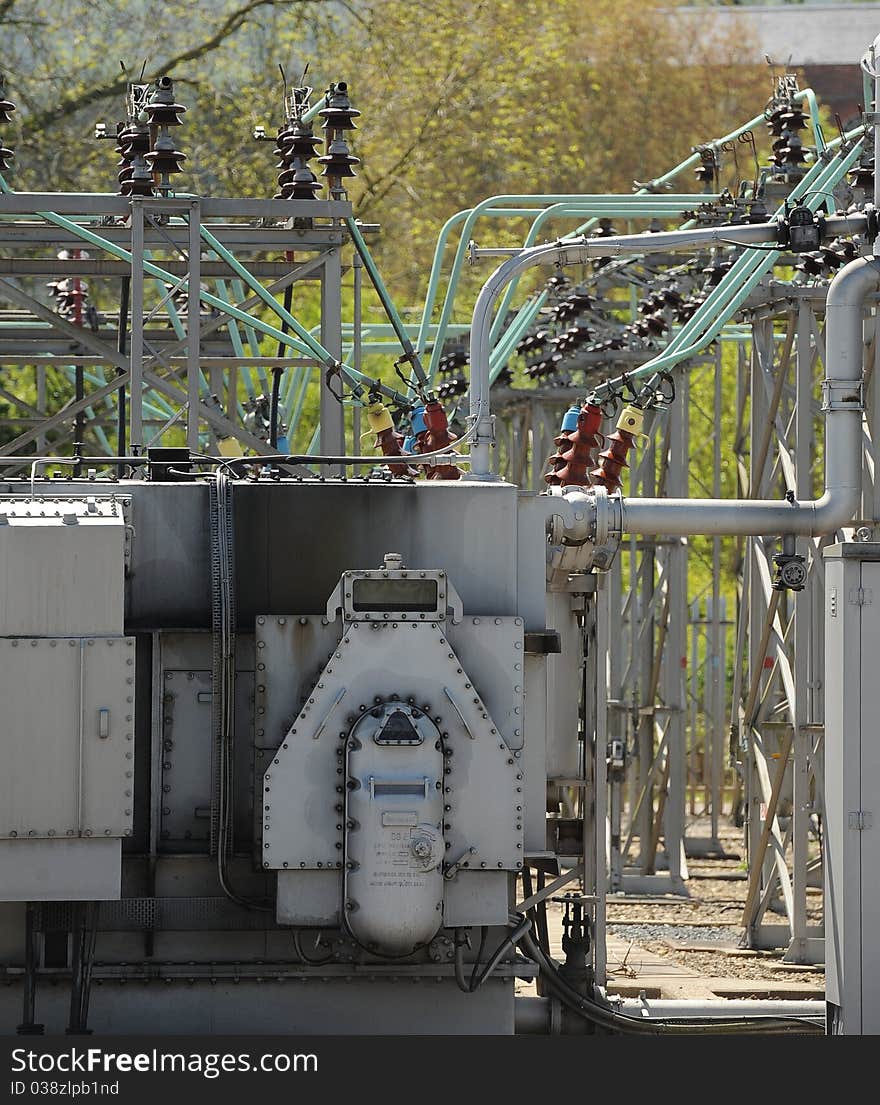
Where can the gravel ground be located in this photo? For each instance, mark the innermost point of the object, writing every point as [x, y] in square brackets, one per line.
[757, 966]
[678, 934]
[710, 915]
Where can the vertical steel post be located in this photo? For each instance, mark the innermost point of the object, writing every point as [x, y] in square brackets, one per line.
[752, 592]
[693, 754]
[357, 351]
[802, 601]
[136, 344]
[602, 607]
[331, 440]
[715, 660]
[643, 560]
[193, 313]
[674, 671]
[615, 712]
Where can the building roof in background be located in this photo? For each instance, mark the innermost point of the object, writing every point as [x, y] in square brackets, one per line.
[808, 34]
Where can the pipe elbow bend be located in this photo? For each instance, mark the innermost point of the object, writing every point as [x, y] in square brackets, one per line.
[834, 509]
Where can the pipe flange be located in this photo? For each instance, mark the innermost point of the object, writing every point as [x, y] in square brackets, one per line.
[603, 516]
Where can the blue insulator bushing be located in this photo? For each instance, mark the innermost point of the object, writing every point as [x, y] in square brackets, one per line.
[570, 419]
[417, 420]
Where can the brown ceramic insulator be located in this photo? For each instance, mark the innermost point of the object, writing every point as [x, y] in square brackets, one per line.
[570, 464]
[391, 442]
[612, 460]
[437, 436]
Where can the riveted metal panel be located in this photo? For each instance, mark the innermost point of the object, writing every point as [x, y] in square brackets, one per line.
[843, 691]
[40, 697]
[186, 760]
[107, 736]
[186, 757]
[868, 806]
[62, 566]
[304, 784]
[66, 752]
[491, 649]
[291, 652]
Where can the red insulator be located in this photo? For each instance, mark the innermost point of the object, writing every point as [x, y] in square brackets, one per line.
[387, 438]
[570, 464]
[437, 436]
[391, 442]
[613, 457]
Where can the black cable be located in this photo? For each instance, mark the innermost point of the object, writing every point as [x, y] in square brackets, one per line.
[276, 374]
[273, 406]
[506, 945]
[223, 619]
[484, 935]
[605, 1016]
[460, 981]
[521, 926]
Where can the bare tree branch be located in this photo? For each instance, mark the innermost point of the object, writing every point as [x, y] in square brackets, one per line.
[377, 189]
[70, 104]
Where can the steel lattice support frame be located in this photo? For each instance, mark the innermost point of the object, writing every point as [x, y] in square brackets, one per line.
[780, 714]
[171, 367]
[667, 698]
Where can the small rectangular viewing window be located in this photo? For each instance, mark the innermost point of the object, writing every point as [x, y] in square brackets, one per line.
[394, 594]
[400, 789]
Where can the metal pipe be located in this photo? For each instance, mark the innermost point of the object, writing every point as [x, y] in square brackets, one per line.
[748, 269]
[312, 346]
[651, 190]
[578, 251]
[387, 302]
[596, 203]
[843, 419]
[548, 1016]
[136, 341]
[574, 251]
[671, 1008]
[193, 324]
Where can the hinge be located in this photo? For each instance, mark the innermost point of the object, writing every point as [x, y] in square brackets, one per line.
[860, 819]
[861, 596]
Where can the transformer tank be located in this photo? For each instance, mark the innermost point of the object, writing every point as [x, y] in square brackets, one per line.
[277, 747]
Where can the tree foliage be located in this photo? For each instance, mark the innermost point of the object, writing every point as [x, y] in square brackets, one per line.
[461, 99]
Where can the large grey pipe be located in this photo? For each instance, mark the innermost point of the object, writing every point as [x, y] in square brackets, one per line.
[844, 344]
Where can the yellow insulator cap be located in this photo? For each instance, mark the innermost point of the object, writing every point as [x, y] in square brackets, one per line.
[379, 418]
[632, 420]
